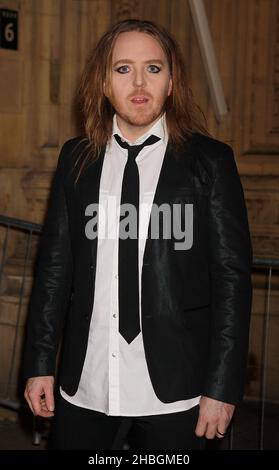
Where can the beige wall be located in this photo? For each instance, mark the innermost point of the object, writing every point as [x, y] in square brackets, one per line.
[37, 87]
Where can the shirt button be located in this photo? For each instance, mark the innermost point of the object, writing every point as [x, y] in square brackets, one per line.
[113, 355]
[116, 276]
[114, 315]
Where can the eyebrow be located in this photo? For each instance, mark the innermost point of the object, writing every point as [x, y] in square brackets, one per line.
[128, 61]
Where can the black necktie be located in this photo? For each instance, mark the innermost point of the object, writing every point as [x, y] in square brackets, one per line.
[128, 270]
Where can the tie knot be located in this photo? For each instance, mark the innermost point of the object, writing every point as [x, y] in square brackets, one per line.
[134, 150]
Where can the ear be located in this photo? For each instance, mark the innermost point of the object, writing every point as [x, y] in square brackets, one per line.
[170, 87]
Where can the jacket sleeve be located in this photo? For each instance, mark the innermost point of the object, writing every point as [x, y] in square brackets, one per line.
[230, 261]
[52, 282]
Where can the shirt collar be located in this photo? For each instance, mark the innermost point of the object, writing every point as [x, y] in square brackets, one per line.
[159, 129]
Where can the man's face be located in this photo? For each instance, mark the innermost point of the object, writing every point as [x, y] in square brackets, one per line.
[140, 80]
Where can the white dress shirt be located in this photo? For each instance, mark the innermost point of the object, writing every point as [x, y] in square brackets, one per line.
[115, 378]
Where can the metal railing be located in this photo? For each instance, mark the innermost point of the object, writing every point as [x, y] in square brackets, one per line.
[9, 223]
[30, 229]
[269, 265]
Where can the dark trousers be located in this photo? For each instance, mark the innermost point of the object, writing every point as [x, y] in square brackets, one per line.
[78, 428]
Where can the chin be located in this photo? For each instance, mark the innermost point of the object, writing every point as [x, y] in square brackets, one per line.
[140, 118]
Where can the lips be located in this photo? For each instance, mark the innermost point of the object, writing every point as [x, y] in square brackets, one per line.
[139, 99]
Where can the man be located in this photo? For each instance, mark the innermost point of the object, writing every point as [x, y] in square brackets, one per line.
[156, 333]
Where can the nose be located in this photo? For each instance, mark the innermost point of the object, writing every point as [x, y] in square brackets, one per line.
[139, 78]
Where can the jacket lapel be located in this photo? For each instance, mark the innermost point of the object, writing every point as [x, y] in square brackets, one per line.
[89, 193]
[176, 175]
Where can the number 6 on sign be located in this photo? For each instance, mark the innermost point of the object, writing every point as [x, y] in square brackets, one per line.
[9, 32]
[8, 29]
